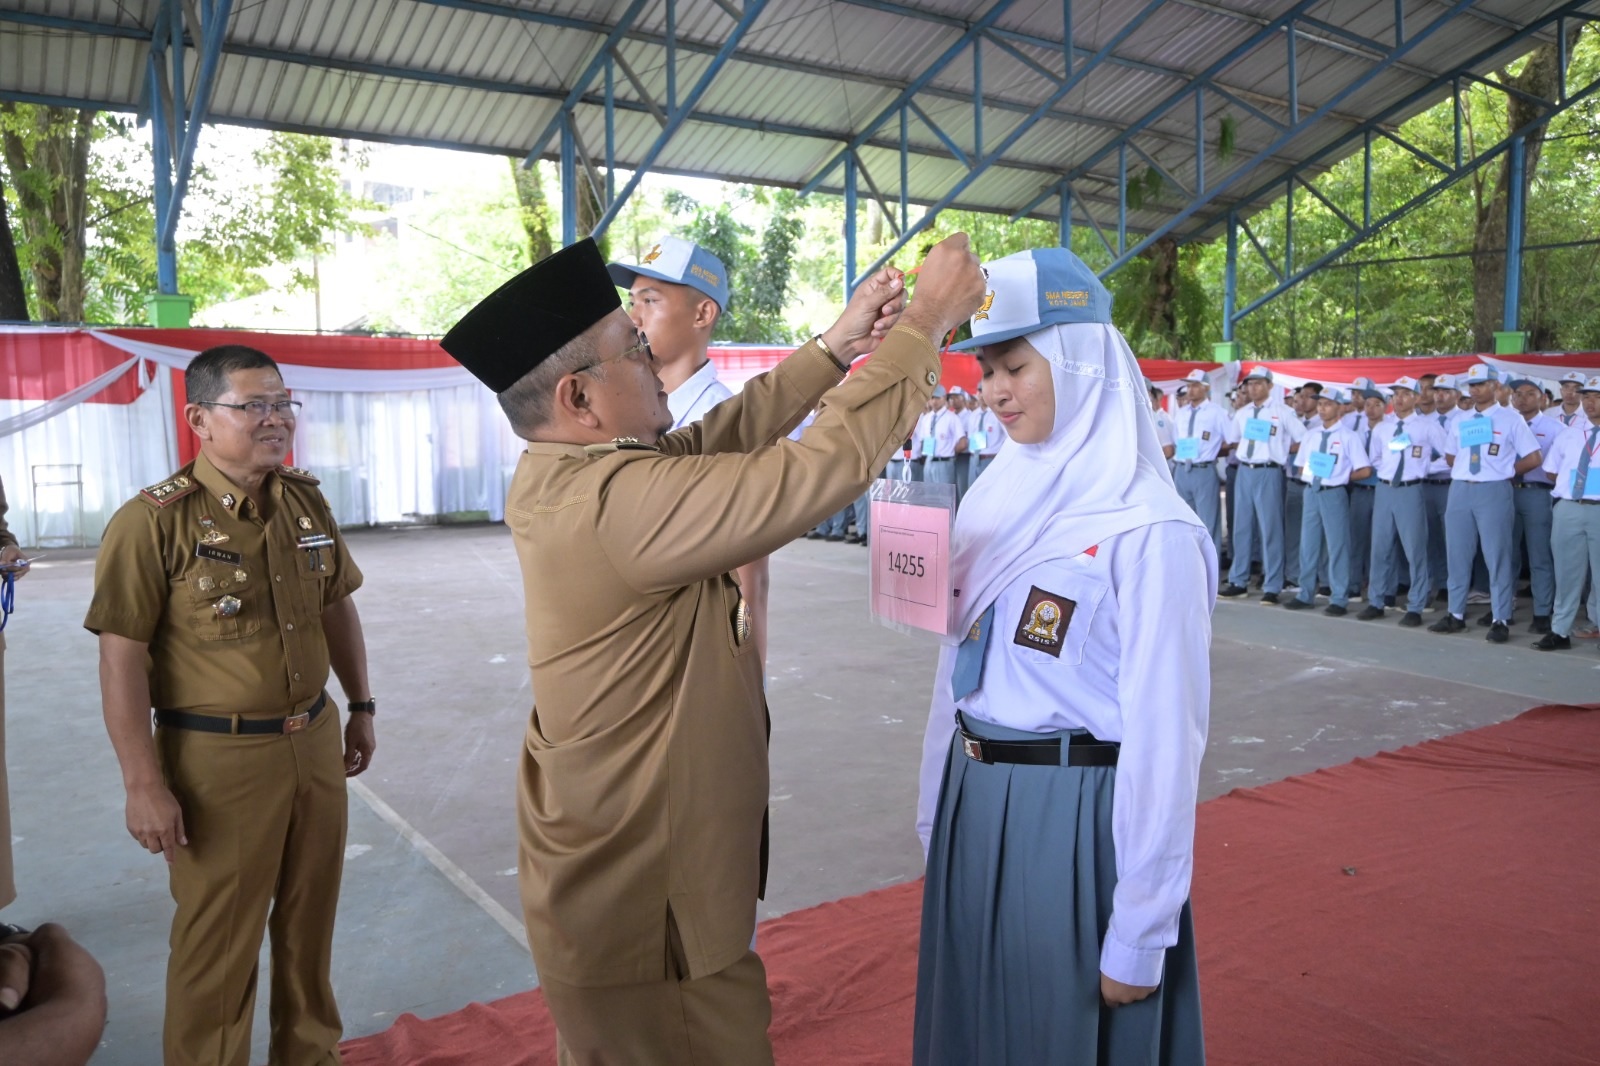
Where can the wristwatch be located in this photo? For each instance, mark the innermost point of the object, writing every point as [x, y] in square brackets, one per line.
[363, 706]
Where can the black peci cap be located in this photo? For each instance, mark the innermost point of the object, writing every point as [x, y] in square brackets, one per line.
[532, 316]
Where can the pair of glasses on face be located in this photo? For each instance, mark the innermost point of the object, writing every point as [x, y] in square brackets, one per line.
[260, 408]
[640, 349]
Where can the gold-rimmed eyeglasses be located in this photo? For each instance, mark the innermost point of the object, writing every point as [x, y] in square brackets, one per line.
[643, 345]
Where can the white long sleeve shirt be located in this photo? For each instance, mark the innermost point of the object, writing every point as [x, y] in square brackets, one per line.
[1135, 667]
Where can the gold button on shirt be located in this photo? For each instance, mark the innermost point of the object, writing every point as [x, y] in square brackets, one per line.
[185, 567]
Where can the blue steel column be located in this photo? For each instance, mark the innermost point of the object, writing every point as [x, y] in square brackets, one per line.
[977, 98]
[1514, 219]
[569, 182]
[611, 129]
[1230, 290]
[905, 171]
[849, 225]
[161, 153]
[1066, 218]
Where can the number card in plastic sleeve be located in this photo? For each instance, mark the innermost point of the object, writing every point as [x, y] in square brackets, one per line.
[909, 537]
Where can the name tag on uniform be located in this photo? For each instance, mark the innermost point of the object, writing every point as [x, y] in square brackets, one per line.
[211, 551]
[1257, 429]
[1322, 464]
[1188, 449]
[977, 442]
[1400, 443]
[1475, 431]
[927, 447]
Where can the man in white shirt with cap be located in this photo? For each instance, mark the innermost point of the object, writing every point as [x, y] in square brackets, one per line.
[1163, 423]
[1488, 446]
[1531, 529]
[1329, 458]
[1570, 412]
[1200, 432]
[676, 293]
[961, 462]
[1574, 463]
[1402, 450]
[942, 434]
[985, 434]
[1267, 433]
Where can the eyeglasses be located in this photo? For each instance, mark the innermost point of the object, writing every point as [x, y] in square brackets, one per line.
[261, 408]
[642, 346]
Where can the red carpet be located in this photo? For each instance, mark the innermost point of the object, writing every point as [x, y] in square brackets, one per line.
[1437, 906]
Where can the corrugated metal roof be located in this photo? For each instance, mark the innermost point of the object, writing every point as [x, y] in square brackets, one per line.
[809, 75]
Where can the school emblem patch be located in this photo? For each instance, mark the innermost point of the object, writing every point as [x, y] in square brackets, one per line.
[651, 256]
[1045, 617]
[1416, 451]
[983, 311]
[1494, 449]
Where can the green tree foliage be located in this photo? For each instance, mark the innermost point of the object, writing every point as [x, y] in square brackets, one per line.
[759, 269]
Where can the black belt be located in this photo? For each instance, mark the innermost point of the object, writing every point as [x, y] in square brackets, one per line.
[238, 726]
[1401, 485]
[1438, 481]
[1186, 464]
[1531, 485]
[1257, 466]
[1082, 750]
[1587, 503]
[1363, 486]
[940, 458]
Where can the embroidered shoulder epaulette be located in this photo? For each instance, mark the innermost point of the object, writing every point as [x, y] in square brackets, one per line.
[621, 444]
[174, 488]
[299, 474]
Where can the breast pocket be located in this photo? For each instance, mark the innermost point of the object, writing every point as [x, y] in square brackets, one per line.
[1052, 625]
[221, 605]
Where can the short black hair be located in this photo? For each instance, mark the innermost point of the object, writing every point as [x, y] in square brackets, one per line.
[207, 375]
[1315, 387]
[1430, 378]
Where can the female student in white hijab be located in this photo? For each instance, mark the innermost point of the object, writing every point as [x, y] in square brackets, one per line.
[1069, 713]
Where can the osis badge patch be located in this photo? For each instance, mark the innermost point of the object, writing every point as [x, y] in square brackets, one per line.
[1044, 621]
[1494, 449]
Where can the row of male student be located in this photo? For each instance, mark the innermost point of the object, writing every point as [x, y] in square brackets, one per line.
[1444, 485]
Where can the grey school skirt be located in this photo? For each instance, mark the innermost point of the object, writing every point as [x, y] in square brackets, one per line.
[1021, 868]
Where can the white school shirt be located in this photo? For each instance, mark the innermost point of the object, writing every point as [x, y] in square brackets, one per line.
[1349, 454]
[1576, 418]
[1545, 431]
[1561, 461]
[1207, 424]
[1426, 437]
[1163, 427]
[1134, 667]
[1513, 440]
[1438, 467]
[702, 391]
[946, 429]
[994, 432]
[1285, 430]
[917, 433]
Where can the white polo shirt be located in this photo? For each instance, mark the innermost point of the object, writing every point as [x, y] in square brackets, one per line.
[1414, 439]
[702, 391]
[1545, 430]
[1207, 425]
[1277, 428]
[945, 428]
[1345, 447]
[994, 432]
[1561, 461]
[1509, 439]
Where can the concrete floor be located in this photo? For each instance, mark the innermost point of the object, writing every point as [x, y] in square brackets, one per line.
[429, 917]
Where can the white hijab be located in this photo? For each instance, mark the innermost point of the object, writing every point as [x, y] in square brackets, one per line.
[1100, 472]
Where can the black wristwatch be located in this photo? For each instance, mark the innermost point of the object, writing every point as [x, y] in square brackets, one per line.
[363, 706]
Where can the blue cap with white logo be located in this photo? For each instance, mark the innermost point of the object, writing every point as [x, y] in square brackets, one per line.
[1259, 373]
[1479, 373]
[1031, 290]
[680, 262]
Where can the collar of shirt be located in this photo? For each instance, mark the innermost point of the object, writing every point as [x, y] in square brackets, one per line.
[223, 490]
[683, 400]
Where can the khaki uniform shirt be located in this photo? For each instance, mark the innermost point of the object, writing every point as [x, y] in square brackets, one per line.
[644, 776]
[7, 538]
[158, 581]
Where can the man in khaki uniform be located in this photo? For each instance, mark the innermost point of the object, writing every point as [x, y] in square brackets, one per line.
[221, 598]
[644, 770]
[10, 559]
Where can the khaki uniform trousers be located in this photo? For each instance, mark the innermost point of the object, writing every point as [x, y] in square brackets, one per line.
[717, 1020]
[8, 886]
[265, 818]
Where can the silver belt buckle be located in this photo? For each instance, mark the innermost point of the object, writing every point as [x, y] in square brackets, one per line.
[296, 722]
[973, 748]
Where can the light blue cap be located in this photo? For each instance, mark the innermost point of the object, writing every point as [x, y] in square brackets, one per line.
[1259, 373]
[1336, 394]
[938, 392]
[1478, 373]
[1031, 290]
[680, 262]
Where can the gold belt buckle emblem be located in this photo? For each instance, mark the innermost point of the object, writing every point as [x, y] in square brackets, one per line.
[296, 722]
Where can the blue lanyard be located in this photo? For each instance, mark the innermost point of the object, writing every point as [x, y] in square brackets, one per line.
[8, 596]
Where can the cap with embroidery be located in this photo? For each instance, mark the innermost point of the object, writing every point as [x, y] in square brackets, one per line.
[1592, 385]
[1573, 376]
[1259, 373]
[1368, 392]
[1361, 384]
[1446, 381]
[1031, 290]
[532, 316]
[957, 390]
[1518, 382]
[1183, 390]
[1334, 394]
[680, 262]
[1199, 376]
[1477, 374]
[1406, 383]
[938, 392]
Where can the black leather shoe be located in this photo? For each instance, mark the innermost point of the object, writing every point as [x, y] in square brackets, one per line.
[1269, 599]
[1333, 610]
[1411, 620]
[1448, 624]
[1297, 604]
[1498, 633]
[1231, 590]
[1541, 624]
[833, 537]
[1553, 642]
[1487, 619]
[1370, 612]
